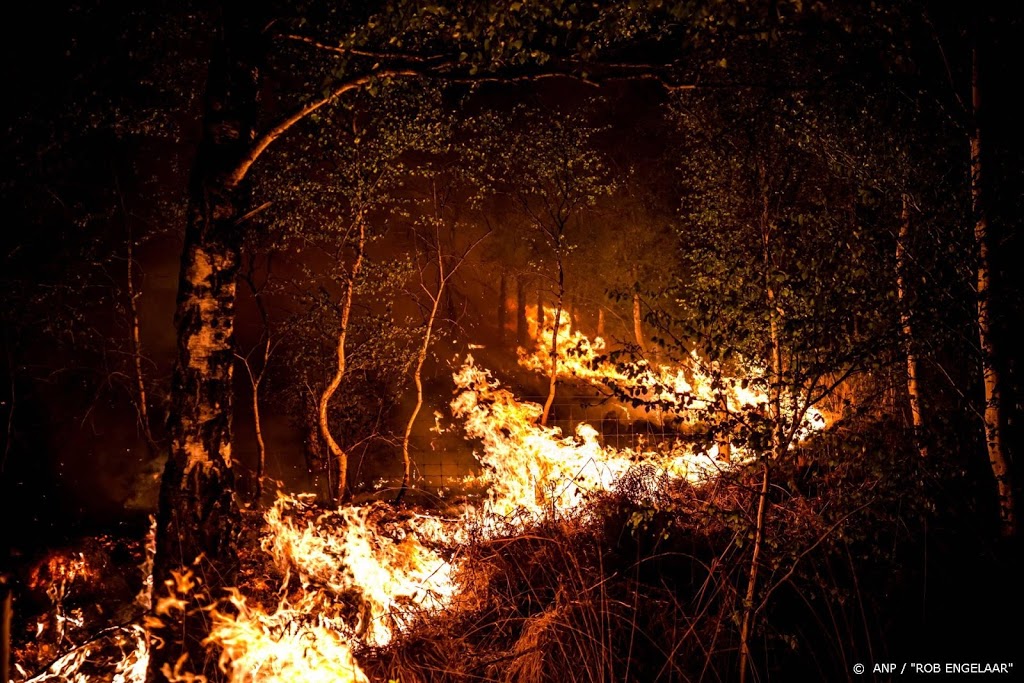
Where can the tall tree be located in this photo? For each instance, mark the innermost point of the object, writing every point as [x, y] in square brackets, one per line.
[442, 245]
[198, 520]
[554, 173]
[775, 260]
[995, 409]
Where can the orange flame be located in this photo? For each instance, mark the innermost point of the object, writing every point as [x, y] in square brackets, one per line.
[358, 575]
[684, 390]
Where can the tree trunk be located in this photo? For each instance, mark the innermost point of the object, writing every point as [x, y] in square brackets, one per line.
[261, 455]
[994, 419]
[338, 459]
[502, 306]
[748, 600]
[421, 358]
[141, 399]
[255, 380]
[913, 390]
[140, 378]
[600, 322]
[775, 424]
[522, 326]
[313, 446]
[540, 313]
[638, 322]
[198, 518]
[553, 374]
[638, 328]
[6, 610]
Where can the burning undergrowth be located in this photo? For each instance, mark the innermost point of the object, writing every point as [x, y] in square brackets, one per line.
[79, 617]
[571, 597]
[646, 581]
[581, 562]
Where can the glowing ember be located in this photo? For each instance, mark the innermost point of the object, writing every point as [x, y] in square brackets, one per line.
[123, 646]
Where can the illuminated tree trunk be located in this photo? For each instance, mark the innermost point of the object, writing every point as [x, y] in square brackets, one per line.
[540, 312]
[447, 265]
[255, 380]
[553, 374]
[6, 600]
[141, 398]
[638, 321]
[994, 418]
[337, 457]
[913, 390]
[261, 461]
[502, 306]
[313, 442]
[638, 325]
[600, 322]
[198, 518]
[421, 358]
[748, 599]
[522, 325]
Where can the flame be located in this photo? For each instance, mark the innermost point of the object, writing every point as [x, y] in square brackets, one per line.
[294, 643]
[362, 576]
[690, 389]
[58, 571]
[144, 599]
[357, 576]
[532, 467]
[129, 662]
[393, 568]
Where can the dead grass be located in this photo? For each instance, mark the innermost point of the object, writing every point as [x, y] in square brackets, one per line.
[646, 583]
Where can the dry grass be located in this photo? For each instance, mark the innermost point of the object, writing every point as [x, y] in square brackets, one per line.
[600, 596]
[646, 583]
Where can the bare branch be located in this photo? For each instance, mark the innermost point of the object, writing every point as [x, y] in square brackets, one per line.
[360, 52]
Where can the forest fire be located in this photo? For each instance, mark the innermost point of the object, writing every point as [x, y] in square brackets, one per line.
[349, 577]
[535, 468]
[545, 342]
[357, 576]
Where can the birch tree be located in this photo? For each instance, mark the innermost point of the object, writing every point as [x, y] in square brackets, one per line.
[443, 240]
